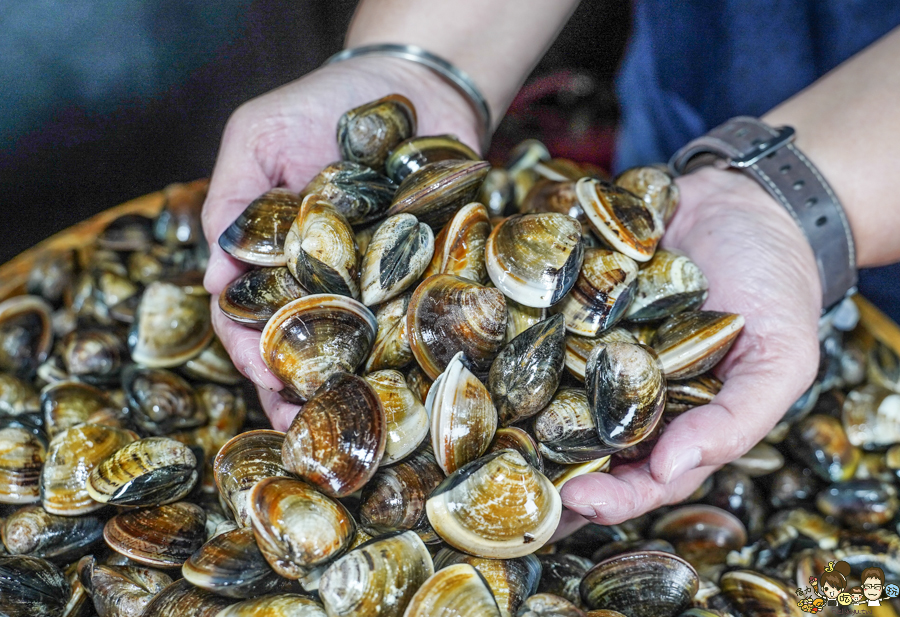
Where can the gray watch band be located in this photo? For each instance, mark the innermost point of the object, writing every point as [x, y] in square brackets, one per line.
[769, 156]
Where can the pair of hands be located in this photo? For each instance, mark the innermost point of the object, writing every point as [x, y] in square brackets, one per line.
[757, 261]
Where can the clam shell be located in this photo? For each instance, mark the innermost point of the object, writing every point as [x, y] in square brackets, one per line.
[359, 193]
[67, 403]
[26, 334]
[859, 504]
[366, 134]
[22, 456]
[566, 431]
[520, 317]
[752, 593]
[693, 342]
[73, 454]
[436, 191]
[52, 275]
[380, 577]
[129, 232]
[463, 418]
[620, 218]
[515, 438]
[171, 328]
[396, 257]
[535, 258]
[257, 236]
[416, 152]
[527, 371]
[406, 421]
[456, 590]
[316, 336]
[163, 536]
[883, 366]
[655, 186]
[448, 314]
[296, 527]
[870, 417]
[151, 471]
[548, 605]
[666, 285]
[497, 191]
[560, 474]
[252, 298]
[17, 396]
[160, 401]
[820, 442]
[321, 250]
[561, 574]
[419, 382]
[762, 459]
[459, 247]
[682, 395]
[337, 439]
[391, 346]
[701, 534]
[277, 605]
[184, 600]
[33, 531]
[179, 221]
[30, 587]
[120, 591]
[94, 354]
[554, 196]
[213, 364]
[497, 507]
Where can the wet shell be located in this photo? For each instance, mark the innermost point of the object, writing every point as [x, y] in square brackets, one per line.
[561, 574]
[26, 334]
[321, 250]
[693, 342]
[456, 591]
[120, 591]
[668, 284]
[22, 456]
[497, 191]
[626, 391]
[52, 275]
[752, 593]
[510, 580]
[535, 258]
[73, 454]
[151, 471]
[396, 257]
[554, 196]
[520, 317]
[171, 328]
[548, 605]
[620, 218]
[16, 395]
[515, 438]
[560, 474]
[378, 578]
[859, 504]
[459, 248]
[252, 298]
[34, 532]
[314, 337]
[179, 221]
[883, 366]
[296, 527]
[182, 599]
[655, 185]
[257, 236]
[436, 191]
[31, 587]
[418, 382]
[391, 347]
[870, 417]
[527, 371]
[94, 354]
[463, 418]
[701, 534]
[497, 506]
[366, 134]
[67, 403]
[566, 430]
[448, 314]
[164, 536]
[359, 193]
[279, 605]
[579, 348]
[682, 395]
[406, 421]
[213, 364]
[416, 152]
[160, 401]
[337, 439]
[820, 442]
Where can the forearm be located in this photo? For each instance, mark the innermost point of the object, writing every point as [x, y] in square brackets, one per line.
[497, 42]
[848, 124]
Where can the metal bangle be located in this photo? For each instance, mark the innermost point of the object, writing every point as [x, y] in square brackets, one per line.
[456, 77]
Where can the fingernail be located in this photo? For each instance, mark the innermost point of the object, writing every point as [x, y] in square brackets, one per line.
[683, 463]
[584, 510]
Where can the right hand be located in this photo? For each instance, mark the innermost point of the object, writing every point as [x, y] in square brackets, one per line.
[283, 139]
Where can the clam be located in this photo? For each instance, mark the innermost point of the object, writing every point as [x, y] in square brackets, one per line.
[548, 605]
[435, 192]
[171, 327]
[626, 391]
[72, 455]
[682, 395]
[666, 285]
[296, 527]
[448, 314]
[535, 258]
[33, 531]
[821, 443]
[114, 289]
[26, 334]
[791, 486]
[316, 336]
[396, 257]
[160, 401]
[701, 534]
[337, 439]
[380, 577]
[252, 298]
[321, 251]
[120, 591]
[620, 218]
[257, 236]
[642, 584]
[459, 247]
[554, 196]
[162, 537]
[151, 471]
[17, 395]
[366, 134]
[734, 491]
[883, 366]
[566, 431]
[527, 371]
[859, 504]
[416, 152]
[276, 605]
[361, 194]
[95, 355]
[179, 221]
[213, 364]
[129, 232]
[762, 459]
[520, 317]
[560, 474]
[463, 418]
[22, 455]
[184, 600]
[870, 417]
[497, 191]
[515, 438]
[52, 276]
[692, 342]
[30, 587]
[655, 185]
[391, 346]
[752, 593]
[497, 507]
[561, 574]
[67, 403]
[455, 591]
[418, 382]
[406, 421]
[579, 348]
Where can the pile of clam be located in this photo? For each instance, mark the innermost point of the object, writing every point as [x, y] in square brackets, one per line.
[460, 342]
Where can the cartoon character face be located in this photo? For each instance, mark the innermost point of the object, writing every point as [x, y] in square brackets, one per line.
[872, 588]
[857, 598]
[832, 592]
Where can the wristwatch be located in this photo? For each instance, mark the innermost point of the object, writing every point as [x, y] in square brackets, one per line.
[769, 156]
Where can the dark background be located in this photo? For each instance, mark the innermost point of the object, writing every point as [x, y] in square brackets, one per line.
[105, 100]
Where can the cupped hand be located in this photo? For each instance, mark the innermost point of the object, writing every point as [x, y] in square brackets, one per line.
[283, 139]
[760, 265]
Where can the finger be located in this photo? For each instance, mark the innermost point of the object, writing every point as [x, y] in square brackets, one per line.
[221, 269]
[569, 523]
[626, 492]
[280, 412]
[243, 347]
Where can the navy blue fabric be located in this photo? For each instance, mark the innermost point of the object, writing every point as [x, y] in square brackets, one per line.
[692, 64]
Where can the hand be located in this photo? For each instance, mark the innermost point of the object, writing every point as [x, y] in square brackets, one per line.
[760, 265]
[284, 138]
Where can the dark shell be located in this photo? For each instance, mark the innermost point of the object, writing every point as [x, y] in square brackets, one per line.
[179, 222]
[34, 532]
[861, 504]
[120, 591]
[685, 394]
[359, 193]
[160, 401]
[366, 134]
[752, 593]
[497, 191]
[436, 191]
[566, 431]
[26, 334]
[666, 285]
[213, 364]
[548, 605]
[391, 346]
[820, 442]
[693, 342]
[655, 185]
[561, 574]
[95, 355]
[735, 492]
[31, 587]
[515, 438]
[67, 403]
[579, 348]
[792, 486]
[257, 236]
[396, 257]
[129, 232]
[701, 534]
[184, 600]
[253, 297]
[163, 537]
[554, 196]
[17, 395]
[52, 276]
[416, 152]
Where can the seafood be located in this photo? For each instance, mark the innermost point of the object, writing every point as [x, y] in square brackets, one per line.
[396, 257]
[436, 191]
[257, 236]
[359, 193]
[366, 134]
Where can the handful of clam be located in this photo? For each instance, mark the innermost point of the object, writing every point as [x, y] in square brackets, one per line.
[461, 342]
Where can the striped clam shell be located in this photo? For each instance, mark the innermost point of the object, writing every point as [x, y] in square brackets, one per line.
[435, 192]
[257, 236]
[399, 252]
[455, 590]
[359, 193]
[693, 342]
[459, 247]
[253, 297]
[366, 134]
[655, 185]
[667, 284]
[406, 421]
[416, 152]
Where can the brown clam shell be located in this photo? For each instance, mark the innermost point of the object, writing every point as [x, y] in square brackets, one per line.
[213, 364]
[436, 191]
[17, 395]
[257, 236]
[183, 599]
[456, 590]
[33, 531]
[163, 536]
[94, 354]
[554, 196]
[752, 593]
[252, 298]
[26, 334]
[667, 284]
[366, 134]
[579, 348]
[361, 194]
[682, 395]
[549, 605]
[22, 456]
[701, 534]
[172, 326]
[459, 247]
[67, 403]
[120, 591]
[391, 346]
[520, 317]
[693, 342]
[406, 421]
[515, 438]
[30, 587]
[160, 401]
[275, 605]
[416, 152]
[655, 185]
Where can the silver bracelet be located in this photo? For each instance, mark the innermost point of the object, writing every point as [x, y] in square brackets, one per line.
[457, 78]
